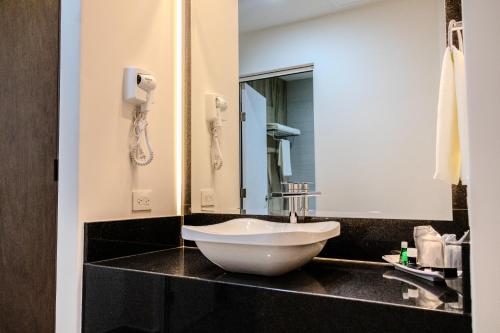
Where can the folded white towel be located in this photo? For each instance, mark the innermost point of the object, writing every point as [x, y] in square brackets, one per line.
[284, 161]
[447, 140]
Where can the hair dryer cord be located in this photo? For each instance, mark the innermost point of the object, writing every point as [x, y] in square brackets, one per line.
[140, 127]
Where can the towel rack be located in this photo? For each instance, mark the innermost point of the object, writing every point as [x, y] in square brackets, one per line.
[280, 131]
[458, 27]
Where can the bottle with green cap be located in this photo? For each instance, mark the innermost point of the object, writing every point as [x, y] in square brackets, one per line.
[403, 259]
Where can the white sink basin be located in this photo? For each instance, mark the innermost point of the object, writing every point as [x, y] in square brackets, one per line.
[261, 247]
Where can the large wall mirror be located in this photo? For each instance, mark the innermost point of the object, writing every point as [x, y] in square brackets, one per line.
[338, 97]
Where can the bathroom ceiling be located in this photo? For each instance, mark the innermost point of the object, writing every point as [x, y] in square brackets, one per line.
[261, 14]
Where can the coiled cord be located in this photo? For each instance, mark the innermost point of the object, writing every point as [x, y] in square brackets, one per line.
[216, 151]
[137, 154]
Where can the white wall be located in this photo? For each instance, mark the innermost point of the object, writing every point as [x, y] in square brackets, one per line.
[116, 34]
[98, 39]
[376, 82]
[214, 66]
[483, 78]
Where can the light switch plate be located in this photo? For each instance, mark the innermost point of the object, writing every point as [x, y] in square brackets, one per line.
[207, 199]
[141, 200]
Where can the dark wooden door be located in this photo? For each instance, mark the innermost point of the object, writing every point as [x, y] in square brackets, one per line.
[29, 74]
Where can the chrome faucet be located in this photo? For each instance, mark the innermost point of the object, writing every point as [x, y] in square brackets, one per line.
[298, 199]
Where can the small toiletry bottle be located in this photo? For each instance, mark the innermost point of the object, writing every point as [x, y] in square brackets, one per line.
[403, 259]
[412, 256]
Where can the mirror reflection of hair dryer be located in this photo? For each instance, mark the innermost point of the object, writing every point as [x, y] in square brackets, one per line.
[214, 106]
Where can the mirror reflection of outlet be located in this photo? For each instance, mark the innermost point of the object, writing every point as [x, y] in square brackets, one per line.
[208, 200]
[141, 200]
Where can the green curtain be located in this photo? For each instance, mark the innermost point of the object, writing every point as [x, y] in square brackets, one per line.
[274, 90]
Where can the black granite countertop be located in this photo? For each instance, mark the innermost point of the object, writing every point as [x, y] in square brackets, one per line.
[337, 279]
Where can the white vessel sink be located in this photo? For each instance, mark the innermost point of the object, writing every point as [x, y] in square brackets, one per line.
[261, 247]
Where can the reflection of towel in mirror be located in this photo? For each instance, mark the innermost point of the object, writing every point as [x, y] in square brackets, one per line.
[284, 161]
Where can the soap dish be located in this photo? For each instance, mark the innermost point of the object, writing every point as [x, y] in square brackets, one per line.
[428, 273]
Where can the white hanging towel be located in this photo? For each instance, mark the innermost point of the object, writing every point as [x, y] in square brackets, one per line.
[284, 161]
[447, 138]
[463, 121]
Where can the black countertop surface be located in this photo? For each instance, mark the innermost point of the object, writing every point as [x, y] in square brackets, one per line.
[337, 279]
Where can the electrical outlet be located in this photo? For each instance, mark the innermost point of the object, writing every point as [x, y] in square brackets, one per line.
[208, 200]
[141, 200]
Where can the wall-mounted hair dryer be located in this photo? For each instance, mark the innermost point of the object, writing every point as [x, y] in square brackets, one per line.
[147, 83]
[138, 90]
[139, 86]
